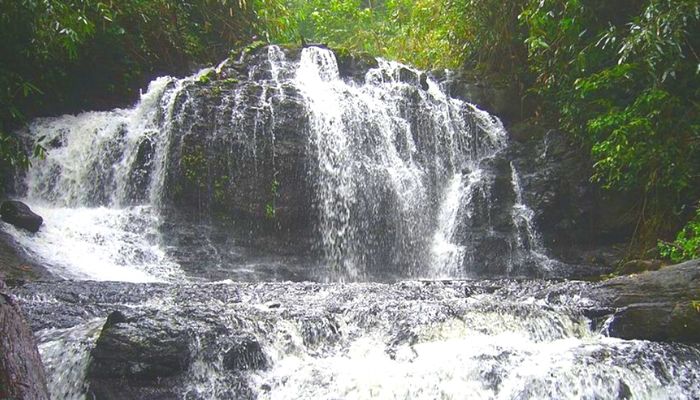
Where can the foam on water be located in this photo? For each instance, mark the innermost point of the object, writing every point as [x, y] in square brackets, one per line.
[99, 244]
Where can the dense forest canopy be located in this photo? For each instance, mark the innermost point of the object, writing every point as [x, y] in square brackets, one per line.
[623, 77]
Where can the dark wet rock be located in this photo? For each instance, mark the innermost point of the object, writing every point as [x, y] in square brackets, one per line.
[504, 100]
[20, 215]
[354, 65]
[142, 351]
[245, 353]
[408, 76]
[580, 224]
[16, 265]
[238, 191]
[138, 357]
[21, 370]
[140, 171]
[637, 266]
[659, 305]
[114, 318]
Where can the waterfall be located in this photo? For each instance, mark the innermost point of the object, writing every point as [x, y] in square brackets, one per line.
[382, 177]
[185, 217]
[66, 354]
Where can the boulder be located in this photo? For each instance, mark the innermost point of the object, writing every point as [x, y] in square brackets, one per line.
[245, 353]
[21, 371]
[661, 305]
[138, 357]
[158, 354]
[20, 215]
[637, 266]
[354, 65]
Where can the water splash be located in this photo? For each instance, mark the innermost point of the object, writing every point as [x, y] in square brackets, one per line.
[528, 239]
[414, 339]
[66, 355]
[100, 244]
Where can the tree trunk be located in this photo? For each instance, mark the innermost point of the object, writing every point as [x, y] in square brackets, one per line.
[21, 371]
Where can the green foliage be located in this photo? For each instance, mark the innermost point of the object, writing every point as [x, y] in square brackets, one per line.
[696, 305]
[426, 33]
[270, 210]
[484, 34]
[221, 188]
[64, 55]
[623, 77]
[687, 243]
[207, 77]
[194, 167]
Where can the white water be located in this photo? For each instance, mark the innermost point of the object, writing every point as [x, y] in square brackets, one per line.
[447, 255]
[366, 137]
[66, 355]
[408, 340]
[528, 237]
[99, 244]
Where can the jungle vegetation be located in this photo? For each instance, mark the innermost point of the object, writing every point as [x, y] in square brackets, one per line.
[622, 77]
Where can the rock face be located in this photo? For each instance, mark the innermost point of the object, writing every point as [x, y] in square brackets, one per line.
[637, 266]
[661, 305]
[16, 264]
[18, 214]
[579, 223]
[21, 371]
[501, 99]
[151, 355]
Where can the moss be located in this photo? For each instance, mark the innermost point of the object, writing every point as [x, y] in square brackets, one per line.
[342, 52]
[194, 167]
[222, 185]
[248, 49]
[207, 77]
[270, 209]
[229, 81]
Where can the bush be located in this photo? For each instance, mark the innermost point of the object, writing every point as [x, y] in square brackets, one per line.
[687, 243]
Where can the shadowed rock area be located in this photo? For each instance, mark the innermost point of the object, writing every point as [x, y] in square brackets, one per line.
[21, 370]
[657, 305]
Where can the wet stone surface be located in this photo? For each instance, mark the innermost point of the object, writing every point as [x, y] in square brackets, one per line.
[234, 340]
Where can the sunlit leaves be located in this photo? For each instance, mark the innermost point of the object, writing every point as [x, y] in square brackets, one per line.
[687, 243]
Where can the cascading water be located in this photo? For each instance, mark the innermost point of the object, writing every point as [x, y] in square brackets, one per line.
[424, 340]
[359, 177]
[295, 164]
